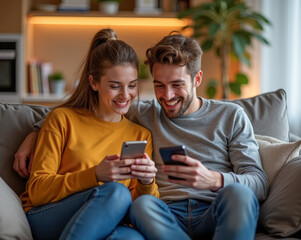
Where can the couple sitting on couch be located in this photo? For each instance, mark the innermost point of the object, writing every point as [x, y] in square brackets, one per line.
[72, 191]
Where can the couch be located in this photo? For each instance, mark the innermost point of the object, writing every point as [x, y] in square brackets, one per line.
[280, 213]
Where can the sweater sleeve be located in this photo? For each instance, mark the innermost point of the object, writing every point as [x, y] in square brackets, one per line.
[245, 158]
[45, 184]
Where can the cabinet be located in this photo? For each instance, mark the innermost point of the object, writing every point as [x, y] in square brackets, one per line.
[64, 38]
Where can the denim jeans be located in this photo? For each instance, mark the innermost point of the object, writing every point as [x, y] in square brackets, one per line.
[96, 213]
[233, 215]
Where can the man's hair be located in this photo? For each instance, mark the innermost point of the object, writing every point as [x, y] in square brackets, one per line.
[178, 50]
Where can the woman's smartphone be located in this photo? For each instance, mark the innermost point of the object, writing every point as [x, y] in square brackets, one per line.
[133, 149]
[166, 156]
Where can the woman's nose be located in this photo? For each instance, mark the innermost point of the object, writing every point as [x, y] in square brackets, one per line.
[125, 92]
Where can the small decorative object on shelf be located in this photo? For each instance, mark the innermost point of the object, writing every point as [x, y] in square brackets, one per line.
[109, 6]
[57, 83]
[74, 6]
[147, 7]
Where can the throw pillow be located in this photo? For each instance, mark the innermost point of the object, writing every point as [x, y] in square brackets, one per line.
[14, 224]
[268, 114]
[275, 153]
[280, 212]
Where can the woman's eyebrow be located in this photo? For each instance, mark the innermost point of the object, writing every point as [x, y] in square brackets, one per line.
[117, 82]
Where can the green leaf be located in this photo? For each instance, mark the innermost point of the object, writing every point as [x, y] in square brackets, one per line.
[211, 89]
[235, 88]
[213, 28]
[239, 44]
[241, 78]
[207, 44]
[261, 18]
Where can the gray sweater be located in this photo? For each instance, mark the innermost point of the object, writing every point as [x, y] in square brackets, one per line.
[219, 135]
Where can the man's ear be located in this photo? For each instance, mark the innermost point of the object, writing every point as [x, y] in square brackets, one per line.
[198, 79]
[92, 83]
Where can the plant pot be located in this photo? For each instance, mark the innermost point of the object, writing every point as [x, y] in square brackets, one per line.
[57, 87]
[109, 7]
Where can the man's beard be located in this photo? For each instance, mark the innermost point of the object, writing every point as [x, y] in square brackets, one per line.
[185, 106]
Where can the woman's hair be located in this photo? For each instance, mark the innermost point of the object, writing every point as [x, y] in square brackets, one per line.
[176, 49]
[105, 51]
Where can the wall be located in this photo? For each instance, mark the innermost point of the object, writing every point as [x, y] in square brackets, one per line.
[11, 16]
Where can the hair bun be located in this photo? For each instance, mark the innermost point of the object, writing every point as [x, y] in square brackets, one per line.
[104, 35]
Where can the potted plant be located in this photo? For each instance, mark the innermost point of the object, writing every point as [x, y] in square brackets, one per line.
[109, 6]
[57, 83]
[227, 27]
[143, 72]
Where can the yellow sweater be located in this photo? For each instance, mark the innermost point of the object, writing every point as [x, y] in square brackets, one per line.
[70, 145]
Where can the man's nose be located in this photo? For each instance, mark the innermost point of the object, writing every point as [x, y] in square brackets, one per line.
[168, 93]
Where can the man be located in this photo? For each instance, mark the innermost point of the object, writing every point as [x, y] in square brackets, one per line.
[223, 180]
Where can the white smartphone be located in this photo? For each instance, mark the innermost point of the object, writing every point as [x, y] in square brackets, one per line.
[133, 149]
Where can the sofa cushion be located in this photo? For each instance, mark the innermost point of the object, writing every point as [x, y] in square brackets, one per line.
[280, 212]
[14, 224]
[16, 122]
[268, 114]
[275, 153]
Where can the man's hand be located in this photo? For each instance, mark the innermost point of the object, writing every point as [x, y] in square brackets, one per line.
[144, 170]
[25, 151]
[195, 174]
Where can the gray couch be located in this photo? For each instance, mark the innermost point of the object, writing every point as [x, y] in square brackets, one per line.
[280, 213]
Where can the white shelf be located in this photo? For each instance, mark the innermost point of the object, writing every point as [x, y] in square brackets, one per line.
[50, 97]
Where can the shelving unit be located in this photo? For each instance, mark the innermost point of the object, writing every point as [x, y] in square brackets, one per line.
[63, 39]
[128, 14]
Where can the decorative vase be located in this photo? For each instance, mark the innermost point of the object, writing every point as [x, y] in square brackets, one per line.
[57, 87]
[109, 7]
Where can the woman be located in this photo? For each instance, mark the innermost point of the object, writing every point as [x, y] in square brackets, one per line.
[72, 192]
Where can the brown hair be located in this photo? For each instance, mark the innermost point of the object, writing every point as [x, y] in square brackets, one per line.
[176, 49]
[105, 51]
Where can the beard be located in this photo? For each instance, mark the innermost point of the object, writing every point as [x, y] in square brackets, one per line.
[186, 102]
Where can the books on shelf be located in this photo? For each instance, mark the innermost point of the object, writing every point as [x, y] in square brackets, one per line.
[37, 76]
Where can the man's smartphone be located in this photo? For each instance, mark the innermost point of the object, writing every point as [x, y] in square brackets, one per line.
[166, 156]
[133, 149]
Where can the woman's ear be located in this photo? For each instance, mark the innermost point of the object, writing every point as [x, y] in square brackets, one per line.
[198, 79]
[92, 83]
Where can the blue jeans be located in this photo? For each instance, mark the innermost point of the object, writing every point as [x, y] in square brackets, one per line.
[95, 213]
[233, 215]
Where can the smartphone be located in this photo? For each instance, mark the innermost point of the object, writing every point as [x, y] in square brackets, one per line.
[133, 149]
[166, 156]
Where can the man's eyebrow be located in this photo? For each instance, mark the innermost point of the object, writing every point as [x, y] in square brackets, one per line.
[173, 81]
[156, 81]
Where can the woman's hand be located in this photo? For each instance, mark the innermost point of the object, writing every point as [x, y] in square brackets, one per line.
[25, 151]
[144, 169]
[113, 169]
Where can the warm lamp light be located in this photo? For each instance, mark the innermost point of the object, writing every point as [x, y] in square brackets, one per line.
[117, 21]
